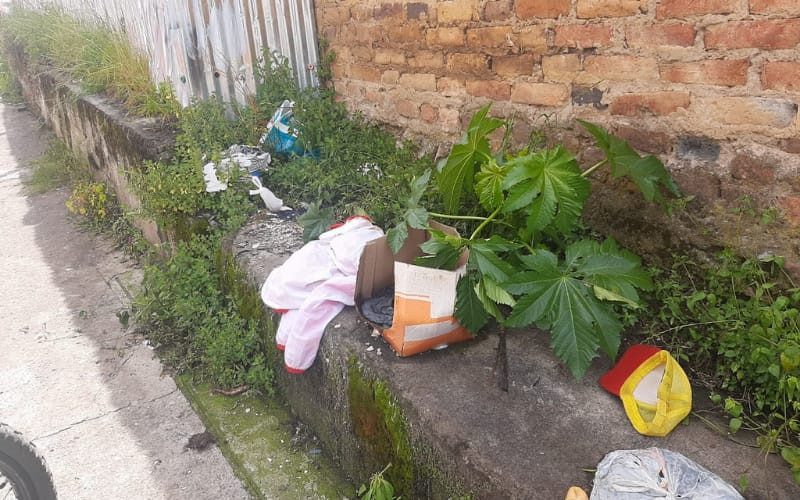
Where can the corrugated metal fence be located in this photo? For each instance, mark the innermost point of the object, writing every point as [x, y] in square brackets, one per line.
[206, 47]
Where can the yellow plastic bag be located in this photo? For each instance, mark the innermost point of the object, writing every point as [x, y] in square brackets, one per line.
[657, 395]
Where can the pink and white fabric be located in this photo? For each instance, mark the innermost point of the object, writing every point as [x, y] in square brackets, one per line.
[313, 286]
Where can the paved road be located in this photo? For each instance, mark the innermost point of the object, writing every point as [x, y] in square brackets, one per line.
[87, 390]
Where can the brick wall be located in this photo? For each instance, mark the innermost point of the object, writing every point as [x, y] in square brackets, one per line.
[712, 86]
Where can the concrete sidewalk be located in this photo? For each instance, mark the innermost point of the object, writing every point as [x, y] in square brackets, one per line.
[88, 391]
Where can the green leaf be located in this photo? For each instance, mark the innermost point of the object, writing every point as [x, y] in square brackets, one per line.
[418, 187]
[790, 359]
[488, 304]
[417, 218]
[792, 455]
[458, 171]
[548, 187]
[442, 251]
[396, 236]
[495, 292]
[489, 263]
[648, 173]
[469, 310]
[734, 425]
[489, 185]
[604, 294]
[774, 370]
[315, 221]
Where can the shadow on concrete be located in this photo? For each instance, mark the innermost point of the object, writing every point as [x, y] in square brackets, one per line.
[91, 454]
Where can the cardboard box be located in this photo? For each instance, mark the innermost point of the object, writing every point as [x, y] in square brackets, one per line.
[424, 298]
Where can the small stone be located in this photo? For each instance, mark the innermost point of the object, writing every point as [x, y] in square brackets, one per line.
[247, 410]
[255, 246]
[337, 325]
[370, 349]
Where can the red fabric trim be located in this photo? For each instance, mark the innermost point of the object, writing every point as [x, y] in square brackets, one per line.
[281, 311]
[352, 217]
[281, 347]
[630, 361]
[293, 371]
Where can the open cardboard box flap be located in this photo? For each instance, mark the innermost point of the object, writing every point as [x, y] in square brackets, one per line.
[376, 271]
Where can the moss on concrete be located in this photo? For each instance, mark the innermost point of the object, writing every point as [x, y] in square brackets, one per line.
[379, 423]
[257, 437]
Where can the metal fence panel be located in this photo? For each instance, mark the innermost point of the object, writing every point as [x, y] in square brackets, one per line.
[209, 47]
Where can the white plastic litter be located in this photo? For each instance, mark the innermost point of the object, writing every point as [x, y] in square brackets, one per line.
[247, 158]
[272, 202]
[657, 473]
[313, 286]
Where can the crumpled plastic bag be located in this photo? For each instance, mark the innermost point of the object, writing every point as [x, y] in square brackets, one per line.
[657, 473]
[246, 158]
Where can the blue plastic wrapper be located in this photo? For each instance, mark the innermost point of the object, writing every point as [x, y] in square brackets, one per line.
[283, 132]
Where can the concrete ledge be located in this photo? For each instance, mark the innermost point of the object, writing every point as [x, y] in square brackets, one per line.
[451, 431]
[98, 130]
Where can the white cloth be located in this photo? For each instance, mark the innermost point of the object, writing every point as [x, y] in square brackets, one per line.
[314, 285]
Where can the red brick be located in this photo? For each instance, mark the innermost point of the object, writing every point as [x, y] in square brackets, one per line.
[493, 37]
[583, 35]
[726, 72]
[687, 8]
[540, 94]
[428, 113]
[426, 59]
[407, 108]
[533, 39]
[497, 11]
[467, 63]
[527, 9]
[781, 75]
[445, 37]
[365, 73]
[767, 34]
[513, 66]
[375, 96]
[493, 89]
[656, 35]
[645, 140]
[785, 7]
[618, 68]
[418, 81]
[791, 208]
[589, 9]
[751, 168]
[657, 103]
[561, 68]
[450, 119]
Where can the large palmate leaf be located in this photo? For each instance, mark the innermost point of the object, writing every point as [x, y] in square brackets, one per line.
[574, 298]
[646, 172]
[442, 251]
[548, 187]
[414, 216]
[458, 171]
[469, 310]
[489, 185]
[315, 221]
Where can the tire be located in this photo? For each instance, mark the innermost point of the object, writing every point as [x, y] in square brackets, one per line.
[23, 467]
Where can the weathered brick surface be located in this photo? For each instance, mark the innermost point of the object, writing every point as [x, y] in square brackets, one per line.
[781, 75]
[588, 9]
[527, 9]
[583, 35]
[727, 72]
[791, 209]
[657, 35]
[657, 103]
[767, 34]
[619, 68]
[513, 66]
[688, 8]
[712, 86]
[493, 89]
[540, 94]
[784, 7]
